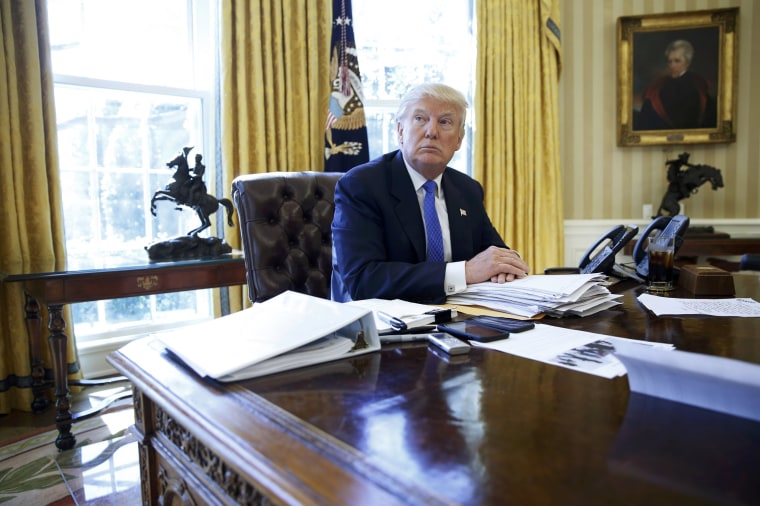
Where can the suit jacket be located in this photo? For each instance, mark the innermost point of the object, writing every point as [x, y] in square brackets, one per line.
[379, 246]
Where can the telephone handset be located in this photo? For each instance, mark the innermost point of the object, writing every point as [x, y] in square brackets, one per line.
[601, 256]
[674, 226]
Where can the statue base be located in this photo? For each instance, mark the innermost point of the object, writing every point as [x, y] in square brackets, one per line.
[187, 247]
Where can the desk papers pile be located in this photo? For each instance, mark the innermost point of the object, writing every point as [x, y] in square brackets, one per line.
[414, 315]
[285, 332]
[555, 295]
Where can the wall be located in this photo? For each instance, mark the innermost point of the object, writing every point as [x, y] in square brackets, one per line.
[603, 181]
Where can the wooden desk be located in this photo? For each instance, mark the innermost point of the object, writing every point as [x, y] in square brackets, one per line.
[408, 426]
[110, 279]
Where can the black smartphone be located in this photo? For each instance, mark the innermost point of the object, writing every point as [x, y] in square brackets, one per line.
[511, 325]
[471, 331]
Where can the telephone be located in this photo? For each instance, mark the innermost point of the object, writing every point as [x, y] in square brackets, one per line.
[668, 225]
[601, 256]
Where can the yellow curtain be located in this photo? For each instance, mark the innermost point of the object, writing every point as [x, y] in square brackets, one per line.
[275, 86]
[30, 197]
[517, 125]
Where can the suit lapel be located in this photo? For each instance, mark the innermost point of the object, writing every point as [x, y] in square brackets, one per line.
[407, 206]
[456, 208]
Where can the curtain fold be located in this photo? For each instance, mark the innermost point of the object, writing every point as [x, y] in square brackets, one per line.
[275, 87]
[31, 212]
[517, 126]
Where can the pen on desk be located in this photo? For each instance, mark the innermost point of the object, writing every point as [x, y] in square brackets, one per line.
[396, 324]
[422, 329]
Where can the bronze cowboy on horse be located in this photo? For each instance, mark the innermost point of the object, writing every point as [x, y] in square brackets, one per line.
[684, 183]
[189, 190]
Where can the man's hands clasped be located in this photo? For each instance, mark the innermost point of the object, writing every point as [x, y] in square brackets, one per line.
[500, 265]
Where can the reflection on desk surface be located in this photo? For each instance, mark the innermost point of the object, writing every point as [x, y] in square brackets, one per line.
[668, 443]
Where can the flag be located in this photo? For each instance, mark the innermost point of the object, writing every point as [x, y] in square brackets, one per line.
[346, 143]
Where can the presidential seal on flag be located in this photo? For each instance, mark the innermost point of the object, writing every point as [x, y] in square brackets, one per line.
[346, 142]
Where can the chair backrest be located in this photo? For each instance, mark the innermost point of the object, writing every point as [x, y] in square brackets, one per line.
[285, 224]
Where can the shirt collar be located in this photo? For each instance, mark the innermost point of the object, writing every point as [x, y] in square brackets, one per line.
[418, 180]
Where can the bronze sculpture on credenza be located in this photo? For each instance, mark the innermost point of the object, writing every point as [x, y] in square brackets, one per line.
[189, 190]
[684, 182]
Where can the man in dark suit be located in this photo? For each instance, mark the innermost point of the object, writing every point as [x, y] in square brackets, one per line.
[380, 245]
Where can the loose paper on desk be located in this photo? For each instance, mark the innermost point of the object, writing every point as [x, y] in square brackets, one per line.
[412, 313]
[709, 307]
[579, 350]
[559, 295]
[716, 383]
[287, 331]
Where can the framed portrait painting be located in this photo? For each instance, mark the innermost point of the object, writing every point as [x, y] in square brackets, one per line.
[677, 78]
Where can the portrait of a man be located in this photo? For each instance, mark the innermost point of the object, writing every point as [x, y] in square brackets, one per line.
[676, 79]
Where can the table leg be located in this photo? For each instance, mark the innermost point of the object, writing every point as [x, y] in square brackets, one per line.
[34, 331]
[58, 349]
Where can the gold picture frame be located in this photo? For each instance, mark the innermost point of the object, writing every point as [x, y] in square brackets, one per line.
[656, 104]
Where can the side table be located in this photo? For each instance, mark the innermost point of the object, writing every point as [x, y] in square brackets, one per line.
[128, 278]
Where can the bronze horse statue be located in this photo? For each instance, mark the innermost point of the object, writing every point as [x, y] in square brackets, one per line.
[683, 183]
[190, 191]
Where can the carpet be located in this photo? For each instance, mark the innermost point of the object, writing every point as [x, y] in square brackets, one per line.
[34, 472]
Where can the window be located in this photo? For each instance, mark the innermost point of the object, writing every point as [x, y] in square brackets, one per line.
[431, 41]
[134, 84]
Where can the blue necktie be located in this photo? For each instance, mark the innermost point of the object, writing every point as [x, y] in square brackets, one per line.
[432, 225]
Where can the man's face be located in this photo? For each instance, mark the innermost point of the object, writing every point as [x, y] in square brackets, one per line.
[429, 135]
[677, 64]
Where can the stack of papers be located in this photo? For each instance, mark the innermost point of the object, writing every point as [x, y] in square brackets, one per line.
[555, 295]
[413, 315]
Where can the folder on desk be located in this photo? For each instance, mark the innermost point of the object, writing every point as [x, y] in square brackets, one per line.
[288, 331]
[412, 315]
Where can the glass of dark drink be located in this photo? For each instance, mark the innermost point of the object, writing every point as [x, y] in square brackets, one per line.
[660, 251]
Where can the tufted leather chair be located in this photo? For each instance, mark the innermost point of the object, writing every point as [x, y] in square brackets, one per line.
[285, 220]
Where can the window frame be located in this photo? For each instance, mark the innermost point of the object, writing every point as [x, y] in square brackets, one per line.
[203, 26]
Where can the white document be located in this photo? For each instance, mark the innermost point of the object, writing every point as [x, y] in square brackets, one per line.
[709, 307]
[716, 383]
[574, 349]
[288, 331]
[412, 313]
[537, 294]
